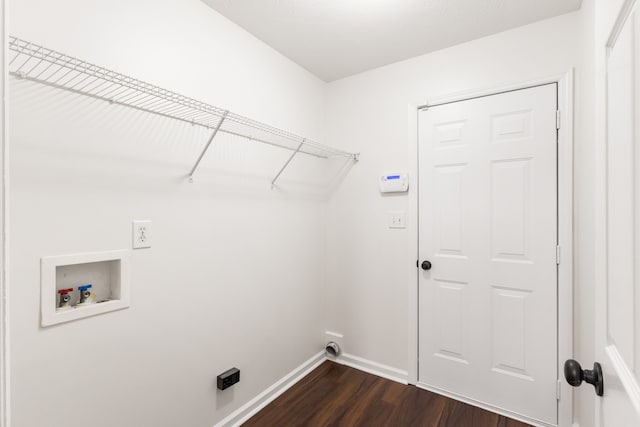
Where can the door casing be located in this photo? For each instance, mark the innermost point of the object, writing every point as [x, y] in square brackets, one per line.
[565, 226]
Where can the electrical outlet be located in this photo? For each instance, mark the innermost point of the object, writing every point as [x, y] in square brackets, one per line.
[141, 234]
[397, 219]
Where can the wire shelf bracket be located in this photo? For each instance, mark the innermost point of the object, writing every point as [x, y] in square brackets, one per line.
[206, 147]
[273, 182]
[33, 62]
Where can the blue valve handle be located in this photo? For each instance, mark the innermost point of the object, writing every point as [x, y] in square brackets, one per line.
[84, 287]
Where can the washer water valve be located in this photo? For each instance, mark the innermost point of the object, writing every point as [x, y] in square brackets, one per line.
[65, 299]
[85, 294]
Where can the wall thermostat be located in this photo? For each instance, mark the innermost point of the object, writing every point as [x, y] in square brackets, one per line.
[394, 183]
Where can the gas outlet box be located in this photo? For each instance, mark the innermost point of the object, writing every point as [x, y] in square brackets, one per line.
[228, 378]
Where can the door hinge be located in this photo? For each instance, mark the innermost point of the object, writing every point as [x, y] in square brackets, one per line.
[558, 255]
[557, 119]
[558, 385]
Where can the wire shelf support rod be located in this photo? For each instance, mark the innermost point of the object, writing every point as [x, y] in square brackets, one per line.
[206, 147]
[273, 182]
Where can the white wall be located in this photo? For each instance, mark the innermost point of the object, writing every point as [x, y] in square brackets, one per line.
[233, 277]
[368, 272]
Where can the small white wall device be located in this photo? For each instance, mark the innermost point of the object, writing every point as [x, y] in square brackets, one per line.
[394, 182]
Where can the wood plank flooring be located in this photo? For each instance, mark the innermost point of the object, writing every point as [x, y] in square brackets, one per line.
[336, 395]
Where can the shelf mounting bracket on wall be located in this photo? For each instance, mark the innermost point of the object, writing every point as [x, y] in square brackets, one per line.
[206, 147]
[273, 182]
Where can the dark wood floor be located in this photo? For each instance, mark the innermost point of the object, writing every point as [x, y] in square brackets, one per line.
[336, 395]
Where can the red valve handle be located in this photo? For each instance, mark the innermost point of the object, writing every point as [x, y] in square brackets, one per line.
[65, 291]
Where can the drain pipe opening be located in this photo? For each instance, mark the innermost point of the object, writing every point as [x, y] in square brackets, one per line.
[332, 349]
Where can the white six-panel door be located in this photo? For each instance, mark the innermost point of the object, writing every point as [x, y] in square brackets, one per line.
[488, 225]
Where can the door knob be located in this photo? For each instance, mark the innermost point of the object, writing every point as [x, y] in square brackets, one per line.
[574, 374]
[426, 265]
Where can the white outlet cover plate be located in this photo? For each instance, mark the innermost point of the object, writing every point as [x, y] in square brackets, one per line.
[397, 219]
[141, 234]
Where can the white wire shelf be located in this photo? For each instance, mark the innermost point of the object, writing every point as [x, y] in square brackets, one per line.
[37, 63]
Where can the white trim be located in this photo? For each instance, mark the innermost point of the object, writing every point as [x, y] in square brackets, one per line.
[485, 406]
[627, 378]
[413, 216]
[494, 90]
[625, 12]
[249, 409]
[565, 241]
[375, 368]
[5, 407]
[565, 223]
[601, 52]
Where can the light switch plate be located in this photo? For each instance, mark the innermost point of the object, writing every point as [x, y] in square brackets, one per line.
[141, 234]
[397, 219]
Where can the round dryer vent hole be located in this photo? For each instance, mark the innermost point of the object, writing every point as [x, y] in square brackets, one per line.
[332, 349]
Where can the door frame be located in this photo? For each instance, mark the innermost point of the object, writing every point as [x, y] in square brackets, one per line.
[565, 225]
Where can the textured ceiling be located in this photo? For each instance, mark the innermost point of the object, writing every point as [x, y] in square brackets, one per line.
[337, 38]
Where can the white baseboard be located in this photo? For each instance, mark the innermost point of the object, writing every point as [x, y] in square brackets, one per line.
[374, 368]
[249, 409]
